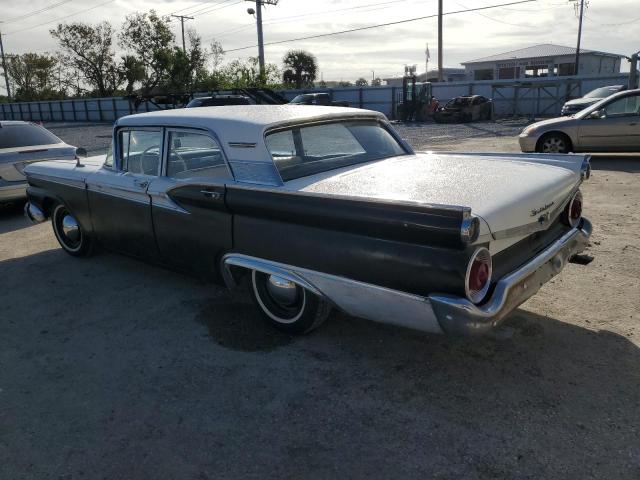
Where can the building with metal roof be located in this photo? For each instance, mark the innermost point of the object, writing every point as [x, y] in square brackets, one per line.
[546, 60]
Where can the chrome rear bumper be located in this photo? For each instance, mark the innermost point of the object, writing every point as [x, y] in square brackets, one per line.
[435, 313]
[458, 316]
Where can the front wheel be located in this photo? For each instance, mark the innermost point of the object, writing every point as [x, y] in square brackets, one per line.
[553, 143]
[286, 305]
[72, 238]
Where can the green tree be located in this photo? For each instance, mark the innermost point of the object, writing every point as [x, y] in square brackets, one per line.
[148, 37]
[242, 74]
[300, 68]
[361, 82]
[32, 75]
[88, 49]
[132, 72]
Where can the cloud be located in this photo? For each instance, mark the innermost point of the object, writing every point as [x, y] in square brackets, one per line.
[349, 56]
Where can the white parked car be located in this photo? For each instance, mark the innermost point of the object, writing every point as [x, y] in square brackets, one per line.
[22, 143]
[322, 207]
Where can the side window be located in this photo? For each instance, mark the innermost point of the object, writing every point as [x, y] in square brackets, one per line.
[195, 155]
[624, 107]
[140, 151]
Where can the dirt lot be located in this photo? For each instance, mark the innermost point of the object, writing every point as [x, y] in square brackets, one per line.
[110, 368]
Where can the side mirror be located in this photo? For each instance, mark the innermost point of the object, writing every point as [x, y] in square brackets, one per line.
[597, 115]
[81, 152]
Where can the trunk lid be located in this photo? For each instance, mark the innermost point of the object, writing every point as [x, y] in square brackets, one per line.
[506, 191]
[14, 160]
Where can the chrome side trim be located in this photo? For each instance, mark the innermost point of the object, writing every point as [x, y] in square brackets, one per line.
[359, 299]
[461, 317]
[62, 181]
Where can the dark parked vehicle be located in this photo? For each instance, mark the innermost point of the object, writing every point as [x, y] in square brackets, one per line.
[317, 99]
[218, 101]
[574, 106]
[464, 109]
[322, 207]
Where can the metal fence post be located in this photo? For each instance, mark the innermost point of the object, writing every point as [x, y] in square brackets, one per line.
[86, 110]
[360, 97]
[393, 103]
[51, 111]
[115, 108]
[40, 111]
[61, 111]
[73, 107]
[100, 109]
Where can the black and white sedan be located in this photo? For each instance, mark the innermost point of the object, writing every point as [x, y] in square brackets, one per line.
[322, 207]
[22, 143]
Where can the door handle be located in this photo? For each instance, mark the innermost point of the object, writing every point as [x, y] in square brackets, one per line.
[210, 194]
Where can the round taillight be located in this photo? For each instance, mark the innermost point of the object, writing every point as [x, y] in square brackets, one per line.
[478, 278]
[573, 210]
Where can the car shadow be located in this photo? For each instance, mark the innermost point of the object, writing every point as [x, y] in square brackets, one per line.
[122, 352]
[12, 217]
[629, 163]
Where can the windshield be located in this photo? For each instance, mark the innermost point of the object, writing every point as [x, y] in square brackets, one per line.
[301, 99]
[602, 92]
[302, 151]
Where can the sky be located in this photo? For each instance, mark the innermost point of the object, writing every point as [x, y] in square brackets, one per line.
[609, 25]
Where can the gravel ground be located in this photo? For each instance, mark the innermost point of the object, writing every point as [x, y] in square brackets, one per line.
[111, 368]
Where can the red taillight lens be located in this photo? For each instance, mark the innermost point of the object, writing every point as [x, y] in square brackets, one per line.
[478, 277]
[573, 210]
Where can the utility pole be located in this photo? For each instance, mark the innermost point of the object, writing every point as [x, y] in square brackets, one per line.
[577, 66]
[633, 71]
[258, 14]
[440, 76]
[426, 63]
[4, 69]
[182, 19]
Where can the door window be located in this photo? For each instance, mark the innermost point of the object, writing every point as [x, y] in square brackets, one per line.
[623, 107]
[140, 151]
[194, 154]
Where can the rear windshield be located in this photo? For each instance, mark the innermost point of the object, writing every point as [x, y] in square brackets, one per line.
[25, 135]
[301, 151]
[603, 92]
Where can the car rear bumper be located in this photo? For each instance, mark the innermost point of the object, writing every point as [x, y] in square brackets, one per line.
[458, 316]
[436, 313]
[527, 144]
[10, 191]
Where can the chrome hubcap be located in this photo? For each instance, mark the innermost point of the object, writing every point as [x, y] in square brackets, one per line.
[70, 228]
[282, 290]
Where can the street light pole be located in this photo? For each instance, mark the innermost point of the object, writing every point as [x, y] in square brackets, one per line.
[577, 66]
[440, 77]
[4, 69]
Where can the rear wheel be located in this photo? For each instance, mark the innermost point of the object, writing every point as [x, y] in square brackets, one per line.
[72, 238]
[286, 305]
[553, 143]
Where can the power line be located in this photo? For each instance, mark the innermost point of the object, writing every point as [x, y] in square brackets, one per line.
[61, 18]
[367, 8]
[369, 27]
[35, 12]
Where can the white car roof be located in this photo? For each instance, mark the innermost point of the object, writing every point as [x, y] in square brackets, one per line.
[243, 123]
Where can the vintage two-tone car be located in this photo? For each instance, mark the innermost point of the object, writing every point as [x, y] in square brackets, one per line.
[321, 207]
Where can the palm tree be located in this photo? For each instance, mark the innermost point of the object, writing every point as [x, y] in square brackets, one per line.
[300, 68]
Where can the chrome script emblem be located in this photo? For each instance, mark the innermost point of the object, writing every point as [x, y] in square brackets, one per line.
[538, 211]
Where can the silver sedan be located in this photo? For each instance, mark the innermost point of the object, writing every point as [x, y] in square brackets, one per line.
[611, 125]
[22, 143]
